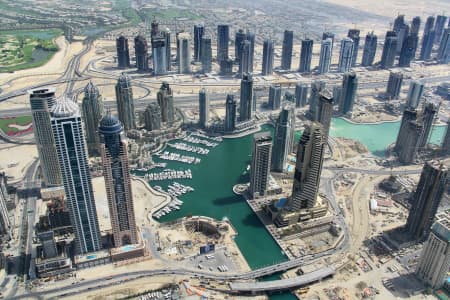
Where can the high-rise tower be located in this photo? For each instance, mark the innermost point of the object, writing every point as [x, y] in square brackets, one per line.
[203, 104]
[240, 36]
[141, 53]
[370, 49]
[429, 112]
[72, 157]
[427, 39]
[268, 54]
[408, 50]
[223, 39]
[345, 55]
[5, 223]
[260, 167]
[152, 117]
[165, 102]
[310, 153]
[434, 261]
[316, 88]
[92, 111]
[348, 92]
[274, 96]
[301, 94]
[325, 56]
[123, 52]
[443, 55]
[286, 52]
[41, 102]
[116, 171]
[439, 28]
[324, 112]
[389, 50]
[184, 61]
[125, 102]
[415, 93]
[206, 57]
[306, 56]
[160, 59]
[244, 60]
[354, 35]
[230, 114]
[426, 199]
[394, 85]
[284, 137]
[246, 100]
[199, 31]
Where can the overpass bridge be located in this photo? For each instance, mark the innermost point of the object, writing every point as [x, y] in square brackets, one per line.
[283, 284]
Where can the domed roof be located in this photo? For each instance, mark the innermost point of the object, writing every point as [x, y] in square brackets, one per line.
[109, 124]
[64, 107]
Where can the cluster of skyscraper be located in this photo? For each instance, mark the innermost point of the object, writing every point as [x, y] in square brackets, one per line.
[64, 137]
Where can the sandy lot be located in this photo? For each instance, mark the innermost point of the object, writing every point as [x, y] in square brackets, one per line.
[15, 160]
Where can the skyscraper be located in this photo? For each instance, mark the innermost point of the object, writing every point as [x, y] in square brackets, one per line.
[244, 60]
[445, 146]
[409, 114]
[260, 167]
[348, 93]
[426, 199]
[230, 114]
[284, 137]
[324, 112]
[160, 59]
[41, 101]
[274, 96]
[409, 141]
[310, 152]
[354, 35]
[345, 55]
[250, 36]
[415, 25]
[125, 102]
[408, 50]
[370, 49]
[72, 157]
[141, 53]
[226, 67]
[301, 94]
[328, 35]
[116, 171]
[184, 62]
[439, 28]
[246, 105]
[165, 102]
[166, 34]
[428, 114]
[199, 31]
[389, 51]
[223, 38]
[394, 85]
[92, 111]
[434, 261]
[240, 36]
[306, 56]
[206, 54]
[402, 33]
[154, 28]
[399, 22]
[443, 55]
[415, 93]
[5, 223]
[268, 54]
[152, 117]
[427, 39]
[325, 56]
[203, 104]
[123, 52]
[286, 52]
[316, 88]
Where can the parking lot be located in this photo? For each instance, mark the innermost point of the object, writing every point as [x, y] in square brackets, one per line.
[213, 260]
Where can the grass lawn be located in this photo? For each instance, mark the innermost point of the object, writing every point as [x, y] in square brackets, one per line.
[24, 49]
[21, 121]
[171, 13]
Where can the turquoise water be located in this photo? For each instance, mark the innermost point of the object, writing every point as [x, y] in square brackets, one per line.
[376, 137]
[91, 256]
[219, 171]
